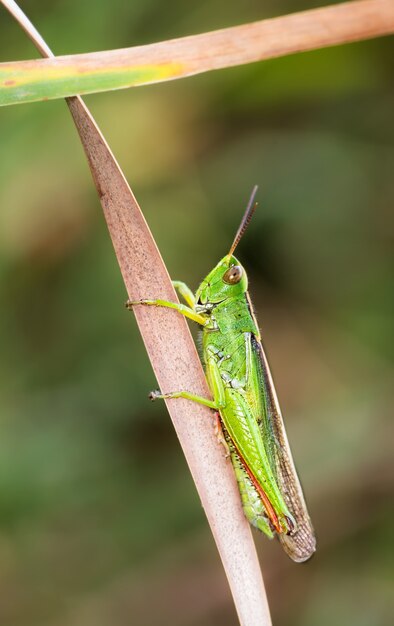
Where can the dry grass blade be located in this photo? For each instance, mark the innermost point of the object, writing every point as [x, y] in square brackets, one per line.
[174, 360]
[26, 81]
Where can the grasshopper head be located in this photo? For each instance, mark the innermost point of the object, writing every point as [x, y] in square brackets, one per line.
[227, 280]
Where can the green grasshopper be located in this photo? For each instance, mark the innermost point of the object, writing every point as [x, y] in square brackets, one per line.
[249, 421]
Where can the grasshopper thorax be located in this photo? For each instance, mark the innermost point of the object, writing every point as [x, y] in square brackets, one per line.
[227, 280]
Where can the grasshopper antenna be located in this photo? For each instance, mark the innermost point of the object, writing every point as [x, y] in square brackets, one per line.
[250, 209]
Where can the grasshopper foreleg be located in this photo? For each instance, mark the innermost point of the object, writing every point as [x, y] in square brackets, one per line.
[181, 308]
[185, 292]
[157, 395]
[216, 383]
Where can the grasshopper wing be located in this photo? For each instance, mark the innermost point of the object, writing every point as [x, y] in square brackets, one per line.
[300, 544]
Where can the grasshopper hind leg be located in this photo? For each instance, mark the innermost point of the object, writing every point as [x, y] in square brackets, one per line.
[251, 502]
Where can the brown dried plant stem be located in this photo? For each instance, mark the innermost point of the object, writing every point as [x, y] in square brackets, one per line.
[174, 358]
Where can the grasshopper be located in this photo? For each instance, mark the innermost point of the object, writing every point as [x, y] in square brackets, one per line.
[249, 420]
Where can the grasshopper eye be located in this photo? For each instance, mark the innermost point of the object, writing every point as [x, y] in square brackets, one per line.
[233, 275]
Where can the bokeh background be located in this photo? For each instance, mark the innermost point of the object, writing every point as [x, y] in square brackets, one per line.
[99, 520]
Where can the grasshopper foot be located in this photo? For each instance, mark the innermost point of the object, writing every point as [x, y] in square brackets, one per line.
[129, 304]
[154, 395]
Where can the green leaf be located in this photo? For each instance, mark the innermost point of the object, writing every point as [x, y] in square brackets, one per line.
[29, 81]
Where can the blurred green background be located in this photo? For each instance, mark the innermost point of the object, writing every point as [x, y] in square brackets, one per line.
[99, 520]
